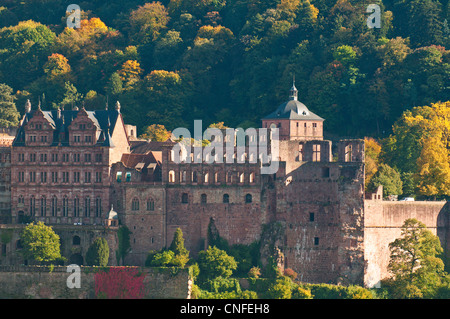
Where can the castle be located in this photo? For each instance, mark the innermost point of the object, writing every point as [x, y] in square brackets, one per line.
[86, 173]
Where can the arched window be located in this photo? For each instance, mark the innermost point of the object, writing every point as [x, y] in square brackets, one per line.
[194, 177]
[252, 177]
[216, 177]
[150, 204]
[65, 206]
[183, 176]
[21, 200]
[226, 198]
[76, 207]
[43, 205]
[184, 198]
[98, 207]
[171, 177]
[203, 198]
[76, 240]
[241, 177]
[135, 204]
[87, 207]
[248, 198]
[54, 206]
[32, 206]
[206, 178]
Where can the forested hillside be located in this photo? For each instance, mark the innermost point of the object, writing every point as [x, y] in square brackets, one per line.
[174, 61]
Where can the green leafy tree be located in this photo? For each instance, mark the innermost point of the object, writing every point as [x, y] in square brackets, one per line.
[390, 179]
[98, 253]
[115, 85]
[9, 116]
[214, 263]
[40, 243]
[181, 254]
[417, 271]
[124, 243]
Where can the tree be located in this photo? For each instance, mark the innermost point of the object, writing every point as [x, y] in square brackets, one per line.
[98, 253]
[373, 150]
[417, 271]
[181, 254]
[24, 48]
[214, 263]
[115, 85]
[156, 132]
[130, 73]
[419, 145]
[124, 243]
[9, 116]
[71, 96]
[390, 179]
[147, 21]
[40, 243]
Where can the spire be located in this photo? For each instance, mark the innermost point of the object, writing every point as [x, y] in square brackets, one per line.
[118, 107]
[28, 106]
[293, 95]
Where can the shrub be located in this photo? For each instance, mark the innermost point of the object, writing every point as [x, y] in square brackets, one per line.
[98, 253]
[301, 293]
[254, 272]
[280, 289]
[290, 273]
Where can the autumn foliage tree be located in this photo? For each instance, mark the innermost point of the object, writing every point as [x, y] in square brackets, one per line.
[420, 145]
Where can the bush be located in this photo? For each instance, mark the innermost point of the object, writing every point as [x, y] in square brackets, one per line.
[98, 253]
[221, 284]
[301, 293]
[290, 273]
[254, 272]
[281, 288]
[215, 263]
[162, 259]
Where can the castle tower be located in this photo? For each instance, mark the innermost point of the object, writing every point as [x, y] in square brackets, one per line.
[294, 120]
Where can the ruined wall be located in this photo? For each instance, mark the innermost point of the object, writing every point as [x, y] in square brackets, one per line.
[382, 225]
[74, 240]
[322, 206]
[237, 221]
[21, 282]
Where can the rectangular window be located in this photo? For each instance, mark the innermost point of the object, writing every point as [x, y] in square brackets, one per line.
[98, 177]
[316, 241]
[65, 177]
[76, 177]
[21, 176]
[32, 177]
[54, 177]
[98, 158]
[54, 157]
[43, 177]
[316, 153]
[311, 217]
[87, 177]
[76, 157]
[32, 157]
[87, 158]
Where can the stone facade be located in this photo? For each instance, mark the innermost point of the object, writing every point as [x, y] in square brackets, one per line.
[313, 210]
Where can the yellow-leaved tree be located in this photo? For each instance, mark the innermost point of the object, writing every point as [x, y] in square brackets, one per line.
[420, 146]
